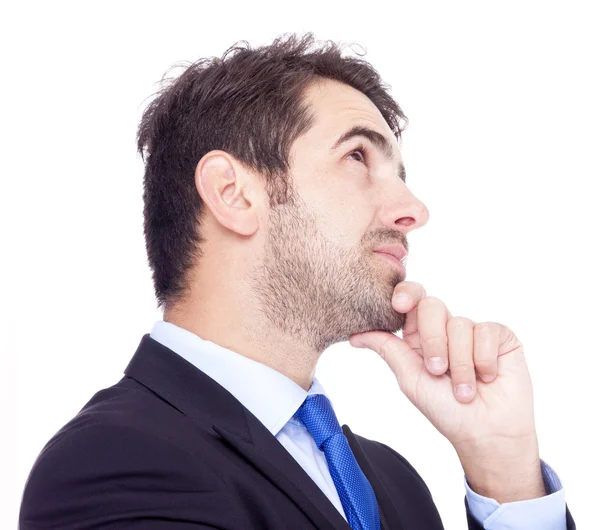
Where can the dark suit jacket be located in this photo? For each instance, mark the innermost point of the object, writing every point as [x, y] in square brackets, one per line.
[169, 448]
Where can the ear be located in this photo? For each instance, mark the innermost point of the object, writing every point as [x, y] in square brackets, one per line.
[226, 189]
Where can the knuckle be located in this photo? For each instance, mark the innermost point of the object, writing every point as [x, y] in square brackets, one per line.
[384, 349]
[486, 327]
[461, 367]
[459, 322]
[432, 301]
[435, 341]
[384, 346]
[486, 364]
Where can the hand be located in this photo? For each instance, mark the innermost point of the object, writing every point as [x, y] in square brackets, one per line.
[491, 427]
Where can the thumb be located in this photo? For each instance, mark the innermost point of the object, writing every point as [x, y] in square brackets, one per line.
[399, 356]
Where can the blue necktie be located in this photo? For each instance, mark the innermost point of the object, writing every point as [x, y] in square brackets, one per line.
[355, 491]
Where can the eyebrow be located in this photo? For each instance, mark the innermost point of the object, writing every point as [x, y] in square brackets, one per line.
[376, 138]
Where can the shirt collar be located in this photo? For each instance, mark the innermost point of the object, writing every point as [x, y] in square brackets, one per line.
[268, 394]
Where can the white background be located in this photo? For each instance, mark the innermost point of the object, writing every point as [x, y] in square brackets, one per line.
[502, 146]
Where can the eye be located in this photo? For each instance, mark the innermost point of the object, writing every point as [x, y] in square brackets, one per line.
[360, 152]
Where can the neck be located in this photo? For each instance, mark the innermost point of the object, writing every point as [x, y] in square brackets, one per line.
[248, 334]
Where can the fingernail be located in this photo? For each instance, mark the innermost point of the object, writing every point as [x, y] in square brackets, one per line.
[463, 390]
[436, 364]
[358, 344]
[402, 298]
[487, 378]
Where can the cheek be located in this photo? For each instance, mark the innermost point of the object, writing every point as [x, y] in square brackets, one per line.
[342, 209]
[345, 220]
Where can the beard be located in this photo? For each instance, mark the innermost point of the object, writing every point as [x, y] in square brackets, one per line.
[319, 293]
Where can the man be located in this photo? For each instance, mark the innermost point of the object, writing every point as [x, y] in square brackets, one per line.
[276, 219]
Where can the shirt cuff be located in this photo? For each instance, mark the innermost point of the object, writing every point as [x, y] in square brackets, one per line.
[545, 513]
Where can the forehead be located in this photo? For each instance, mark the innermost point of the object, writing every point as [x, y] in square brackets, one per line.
[337, 107]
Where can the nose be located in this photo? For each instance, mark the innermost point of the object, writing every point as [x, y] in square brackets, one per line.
[406, 211]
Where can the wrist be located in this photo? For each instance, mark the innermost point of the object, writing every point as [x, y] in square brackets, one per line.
[506, 470]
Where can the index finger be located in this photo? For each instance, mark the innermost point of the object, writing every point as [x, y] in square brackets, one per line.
[415, 292]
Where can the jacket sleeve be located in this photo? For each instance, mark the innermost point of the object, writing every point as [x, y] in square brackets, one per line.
[115, 476]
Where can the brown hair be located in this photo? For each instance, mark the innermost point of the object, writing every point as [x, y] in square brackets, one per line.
[249, 104]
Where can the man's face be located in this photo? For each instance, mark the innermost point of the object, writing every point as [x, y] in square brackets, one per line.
[320, 280]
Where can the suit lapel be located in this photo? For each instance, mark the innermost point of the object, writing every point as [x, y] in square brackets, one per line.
[206, 402]
[272, 460]
[388, 514]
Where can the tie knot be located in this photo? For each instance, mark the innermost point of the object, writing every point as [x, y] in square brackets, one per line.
[317, 415]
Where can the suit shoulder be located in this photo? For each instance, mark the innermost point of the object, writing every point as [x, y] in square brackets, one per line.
[125, 422]
[109, 460]
[127, 405]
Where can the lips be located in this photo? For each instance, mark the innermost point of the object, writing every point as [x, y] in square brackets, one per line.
[397, 251]
[398, 265]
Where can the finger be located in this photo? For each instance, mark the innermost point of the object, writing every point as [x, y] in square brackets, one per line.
[407, 295]
[411, 325]
[406, 364]
[460, 346]
[486, 338]
[432, 317]
[508, 342]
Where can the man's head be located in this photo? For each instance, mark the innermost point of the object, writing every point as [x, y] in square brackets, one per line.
[275, 172]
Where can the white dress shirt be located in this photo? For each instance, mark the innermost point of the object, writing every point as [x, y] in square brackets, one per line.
[274, 398]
